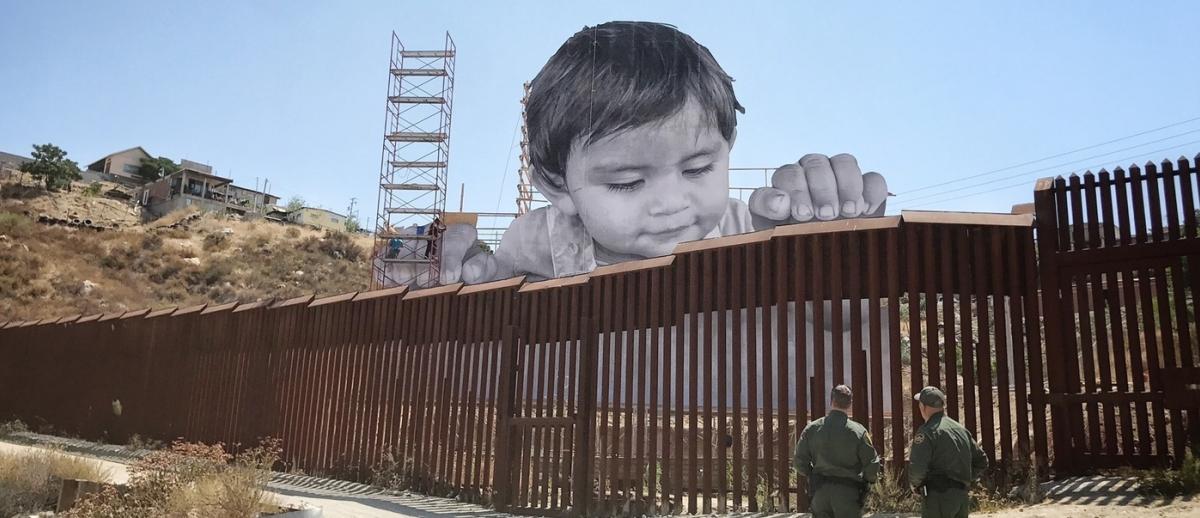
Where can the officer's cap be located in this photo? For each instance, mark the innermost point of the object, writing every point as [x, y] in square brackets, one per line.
[931, 397]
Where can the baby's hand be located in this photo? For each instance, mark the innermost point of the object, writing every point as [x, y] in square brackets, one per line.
[825, 188]
[462, 259]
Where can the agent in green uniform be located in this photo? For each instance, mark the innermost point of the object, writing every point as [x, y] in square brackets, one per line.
[944, 460]
[836, 455]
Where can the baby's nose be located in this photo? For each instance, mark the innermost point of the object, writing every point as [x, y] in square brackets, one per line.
[668, 202]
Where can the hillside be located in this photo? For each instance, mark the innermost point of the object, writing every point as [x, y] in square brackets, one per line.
[179, 260]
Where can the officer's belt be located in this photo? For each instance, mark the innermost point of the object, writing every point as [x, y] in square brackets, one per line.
[942, 483]
[817, 481]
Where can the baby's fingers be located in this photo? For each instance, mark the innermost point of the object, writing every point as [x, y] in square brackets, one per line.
[790, 179]
[770, 203]
[874, 193]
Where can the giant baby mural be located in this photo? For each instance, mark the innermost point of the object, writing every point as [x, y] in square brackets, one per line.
[630, 127]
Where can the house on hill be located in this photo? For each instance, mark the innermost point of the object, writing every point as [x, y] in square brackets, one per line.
[10, 164]
[120, 166]
[320, 218]
[194, 185]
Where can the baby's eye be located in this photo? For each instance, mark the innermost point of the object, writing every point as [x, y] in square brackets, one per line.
[628, 186]
[698, 171]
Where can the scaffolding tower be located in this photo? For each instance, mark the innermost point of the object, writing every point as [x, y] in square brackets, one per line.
[524, 181]
[414, 165]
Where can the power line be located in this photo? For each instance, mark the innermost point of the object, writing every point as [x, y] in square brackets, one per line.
[507, 161]
[1051, 157]
[1131, 159]
[1026, 173]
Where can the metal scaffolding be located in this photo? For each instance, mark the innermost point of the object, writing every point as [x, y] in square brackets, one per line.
[524, 181]
[414, 164]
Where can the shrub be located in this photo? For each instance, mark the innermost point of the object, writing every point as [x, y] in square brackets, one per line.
[17, 191]
[137, 442]
[93, 189]
[29, 483]
[337, 245]
[292, 232]
[152, 242]
[11, 427]
[191, 479]
[214, 242]
[15, 225]
[889, 495]
[1170, 482]
[215, 272]
[168, 270]
[398, 473]
[18, 270]
[174, 233]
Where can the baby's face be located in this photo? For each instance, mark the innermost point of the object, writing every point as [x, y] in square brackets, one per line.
[642, 191]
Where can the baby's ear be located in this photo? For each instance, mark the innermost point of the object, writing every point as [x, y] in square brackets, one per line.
[557, 195]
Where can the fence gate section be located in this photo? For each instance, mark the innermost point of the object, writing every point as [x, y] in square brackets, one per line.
[1115, 252]
[542, 464]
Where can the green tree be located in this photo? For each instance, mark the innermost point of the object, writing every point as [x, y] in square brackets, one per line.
[50, 165]
[152, 169]
[352, 224]
[295, 203]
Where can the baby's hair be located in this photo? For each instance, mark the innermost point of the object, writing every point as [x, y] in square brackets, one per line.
[618, 76]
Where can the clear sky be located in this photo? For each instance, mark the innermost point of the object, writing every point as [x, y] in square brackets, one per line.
[925, 93]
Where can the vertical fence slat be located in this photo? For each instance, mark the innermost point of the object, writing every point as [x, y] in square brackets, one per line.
[897, 406]
[781, 266]
[737, 303]
[933, 372]
[983, 349]
[817, 299]
[947, 265]
[763, 306]
[722, 281]
[1000, 332]
[966, 328]
[875, 321]
[912, 262]
[752, 385]
[629, 347]
[1015, 307]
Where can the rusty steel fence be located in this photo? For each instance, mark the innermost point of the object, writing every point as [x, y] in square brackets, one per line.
[673, 384]
[680, 383]
[1116, 252]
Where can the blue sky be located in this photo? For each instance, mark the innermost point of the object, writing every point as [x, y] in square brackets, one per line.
[925, 93]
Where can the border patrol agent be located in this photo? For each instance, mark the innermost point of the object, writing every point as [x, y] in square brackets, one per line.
[836, 455]
[944, 460]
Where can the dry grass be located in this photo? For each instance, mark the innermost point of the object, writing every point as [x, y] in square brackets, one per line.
[30, 483]
[43, 269]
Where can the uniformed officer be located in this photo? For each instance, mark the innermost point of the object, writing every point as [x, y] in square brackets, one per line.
[944, 460]
[836, 455]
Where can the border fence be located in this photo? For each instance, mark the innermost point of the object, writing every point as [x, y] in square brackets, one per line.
[680, 383]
